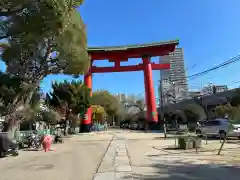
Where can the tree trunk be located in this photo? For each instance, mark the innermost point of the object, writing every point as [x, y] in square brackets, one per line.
[66, 122]
[10, 128]
[146, 126]
[81, 120]
[199, 102]
[11, 118]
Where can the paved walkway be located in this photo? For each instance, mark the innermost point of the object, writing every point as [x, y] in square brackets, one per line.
[152, 158]
[76, 159]
[115, 164]
[116, 155]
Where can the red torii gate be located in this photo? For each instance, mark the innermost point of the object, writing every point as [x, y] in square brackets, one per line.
[120, 54]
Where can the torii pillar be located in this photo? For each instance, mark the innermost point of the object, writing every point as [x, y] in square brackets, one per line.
[87, 121]
[149, 90]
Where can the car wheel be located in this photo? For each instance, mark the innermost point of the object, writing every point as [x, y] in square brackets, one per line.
[222, 134]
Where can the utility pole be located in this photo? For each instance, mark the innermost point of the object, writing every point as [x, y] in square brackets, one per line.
[161, 107]
[174, 91]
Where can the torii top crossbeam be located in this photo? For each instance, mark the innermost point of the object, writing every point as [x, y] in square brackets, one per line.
[119, 54]
[132, 51]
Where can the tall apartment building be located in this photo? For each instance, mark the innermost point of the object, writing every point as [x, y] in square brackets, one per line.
[175, 78]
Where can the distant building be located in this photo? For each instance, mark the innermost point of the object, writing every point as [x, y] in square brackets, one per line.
[121, 97]
[207, 90]
[221, 88]
[174, 79]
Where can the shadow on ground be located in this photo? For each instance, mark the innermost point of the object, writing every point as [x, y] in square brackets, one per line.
[186, 171]
[31, 149]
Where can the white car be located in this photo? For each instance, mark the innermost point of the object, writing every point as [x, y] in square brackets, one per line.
[218, 127]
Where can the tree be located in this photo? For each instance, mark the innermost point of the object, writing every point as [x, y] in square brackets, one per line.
[141, 105]
[98, 114]
[52, 41]
[50, 117]
[191, 116]
[44, 37]
[235, 100]
[69, 98]
[229, 111]
[108, 101]
[136, 105]
[199, 101]
[192, 119]
[122, 112]
[14, 90]
[30, 112]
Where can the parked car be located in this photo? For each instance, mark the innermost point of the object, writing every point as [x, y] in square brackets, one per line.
[218, 127]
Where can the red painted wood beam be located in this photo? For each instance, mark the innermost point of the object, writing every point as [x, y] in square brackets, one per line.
[133, 53]
[160, 66]
[95, 69]
[139, 67]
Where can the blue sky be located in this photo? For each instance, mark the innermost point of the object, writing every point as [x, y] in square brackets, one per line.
[208, 30]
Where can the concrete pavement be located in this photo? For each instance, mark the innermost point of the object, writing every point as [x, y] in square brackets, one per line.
[115, 164]
[76, 159]
[117, 154]
[153, 157]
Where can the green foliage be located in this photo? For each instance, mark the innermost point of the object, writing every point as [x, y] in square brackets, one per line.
[45, 37]
[74, 96]
[14, 90]
[74, 120]
[98, 114]
[122, 111]
[233, 113]
[191, 116]
[105, 99]
[50, 116]
[235, 101]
